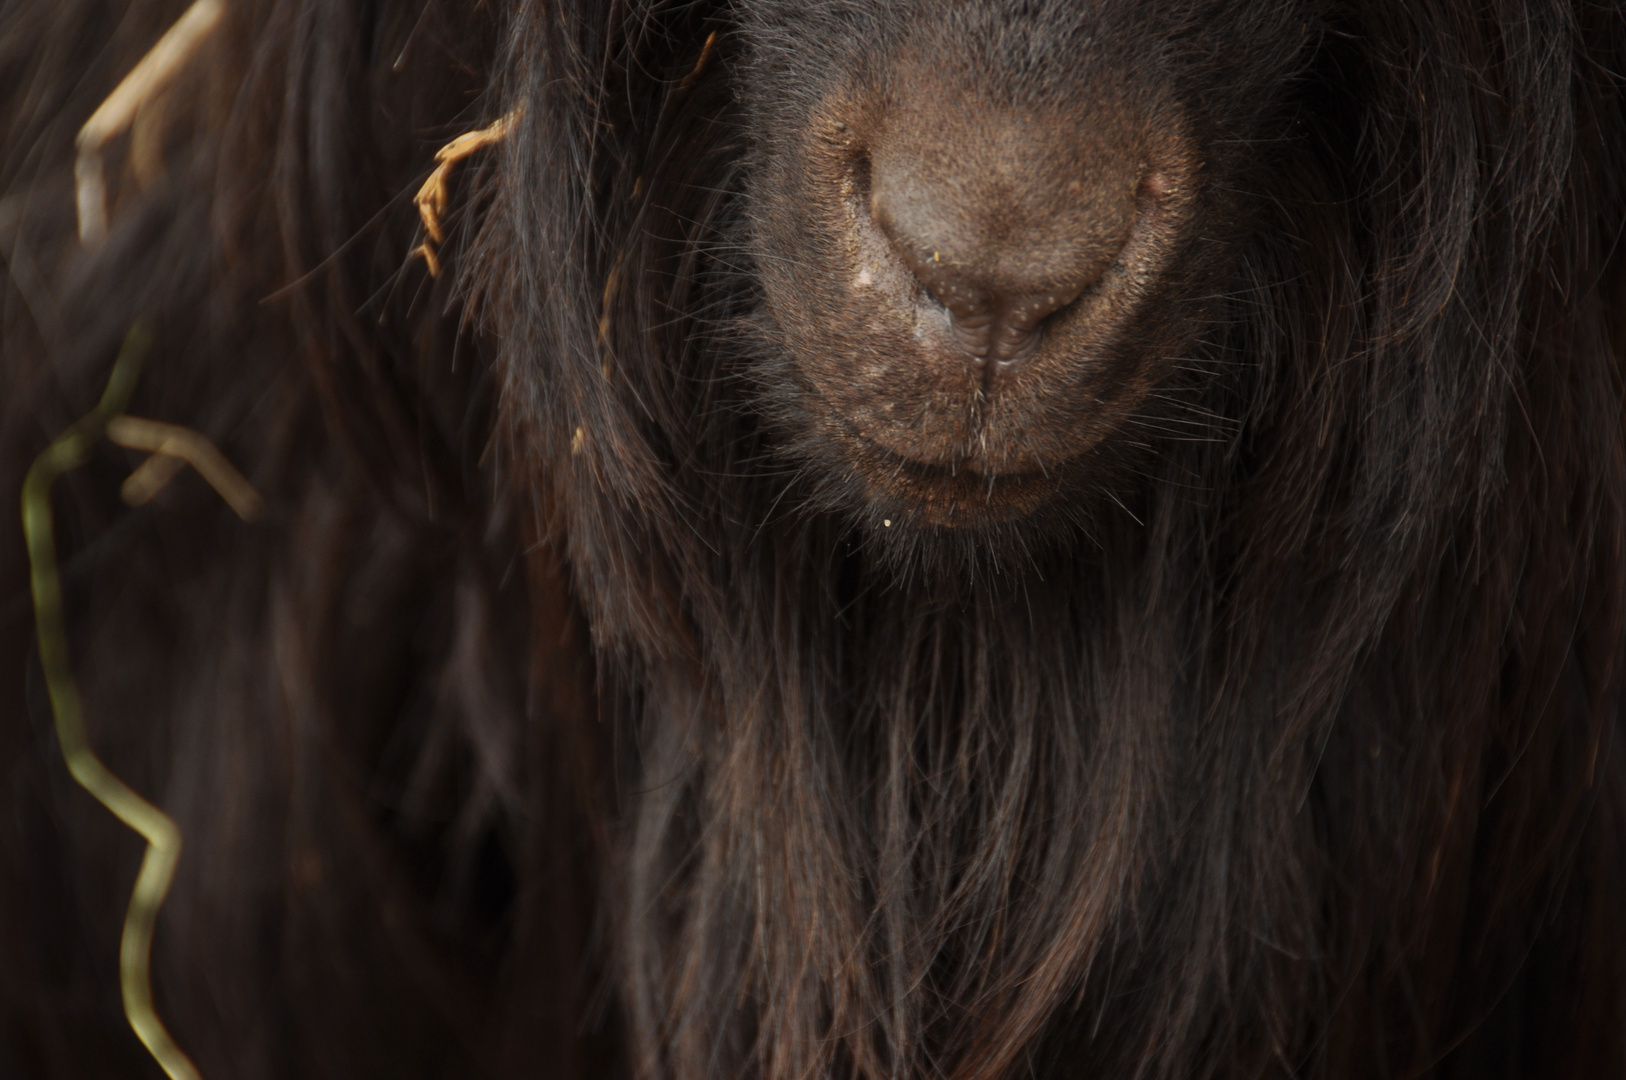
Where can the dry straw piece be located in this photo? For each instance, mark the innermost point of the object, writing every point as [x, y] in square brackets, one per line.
[144, 85]
[700, 64]
[172, 447]
[168, 444]
[135, 100]
[432, 197]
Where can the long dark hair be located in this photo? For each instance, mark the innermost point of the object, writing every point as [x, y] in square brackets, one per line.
[559, 717]
[372, 715]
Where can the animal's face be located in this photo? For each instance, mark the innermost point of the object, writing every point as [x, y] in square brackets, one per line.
[987, 233]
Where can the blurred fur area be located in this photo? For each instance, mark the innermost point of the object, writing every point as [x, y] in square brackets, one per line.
[566, 716]
[377, 736]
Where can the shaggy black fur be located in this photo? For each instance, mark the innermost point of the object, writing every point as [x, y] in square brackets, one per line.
[576, 713]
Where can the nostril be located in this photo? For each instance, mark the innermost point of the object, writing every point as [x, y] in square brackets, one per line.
[859, 175]
[990, 319]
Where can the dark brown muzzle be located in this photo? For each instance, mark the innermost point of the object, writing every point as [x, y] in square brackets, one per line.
[1005, 218]
[964, 268]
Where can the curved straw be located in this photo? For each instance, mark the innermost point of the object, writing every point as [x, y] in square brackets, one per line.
[150, 77]
[69, 451]
[171, 447]
[432, 196]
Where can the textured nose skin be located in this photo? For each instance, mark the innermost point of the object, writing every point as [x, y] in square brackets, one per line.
[1004, 221]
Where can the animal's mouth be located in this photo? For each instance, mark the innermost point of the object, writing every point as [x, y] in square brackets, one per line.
[964, 313]
[990, 342]
[971, 465]
[962, 494]
[1002, 400]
